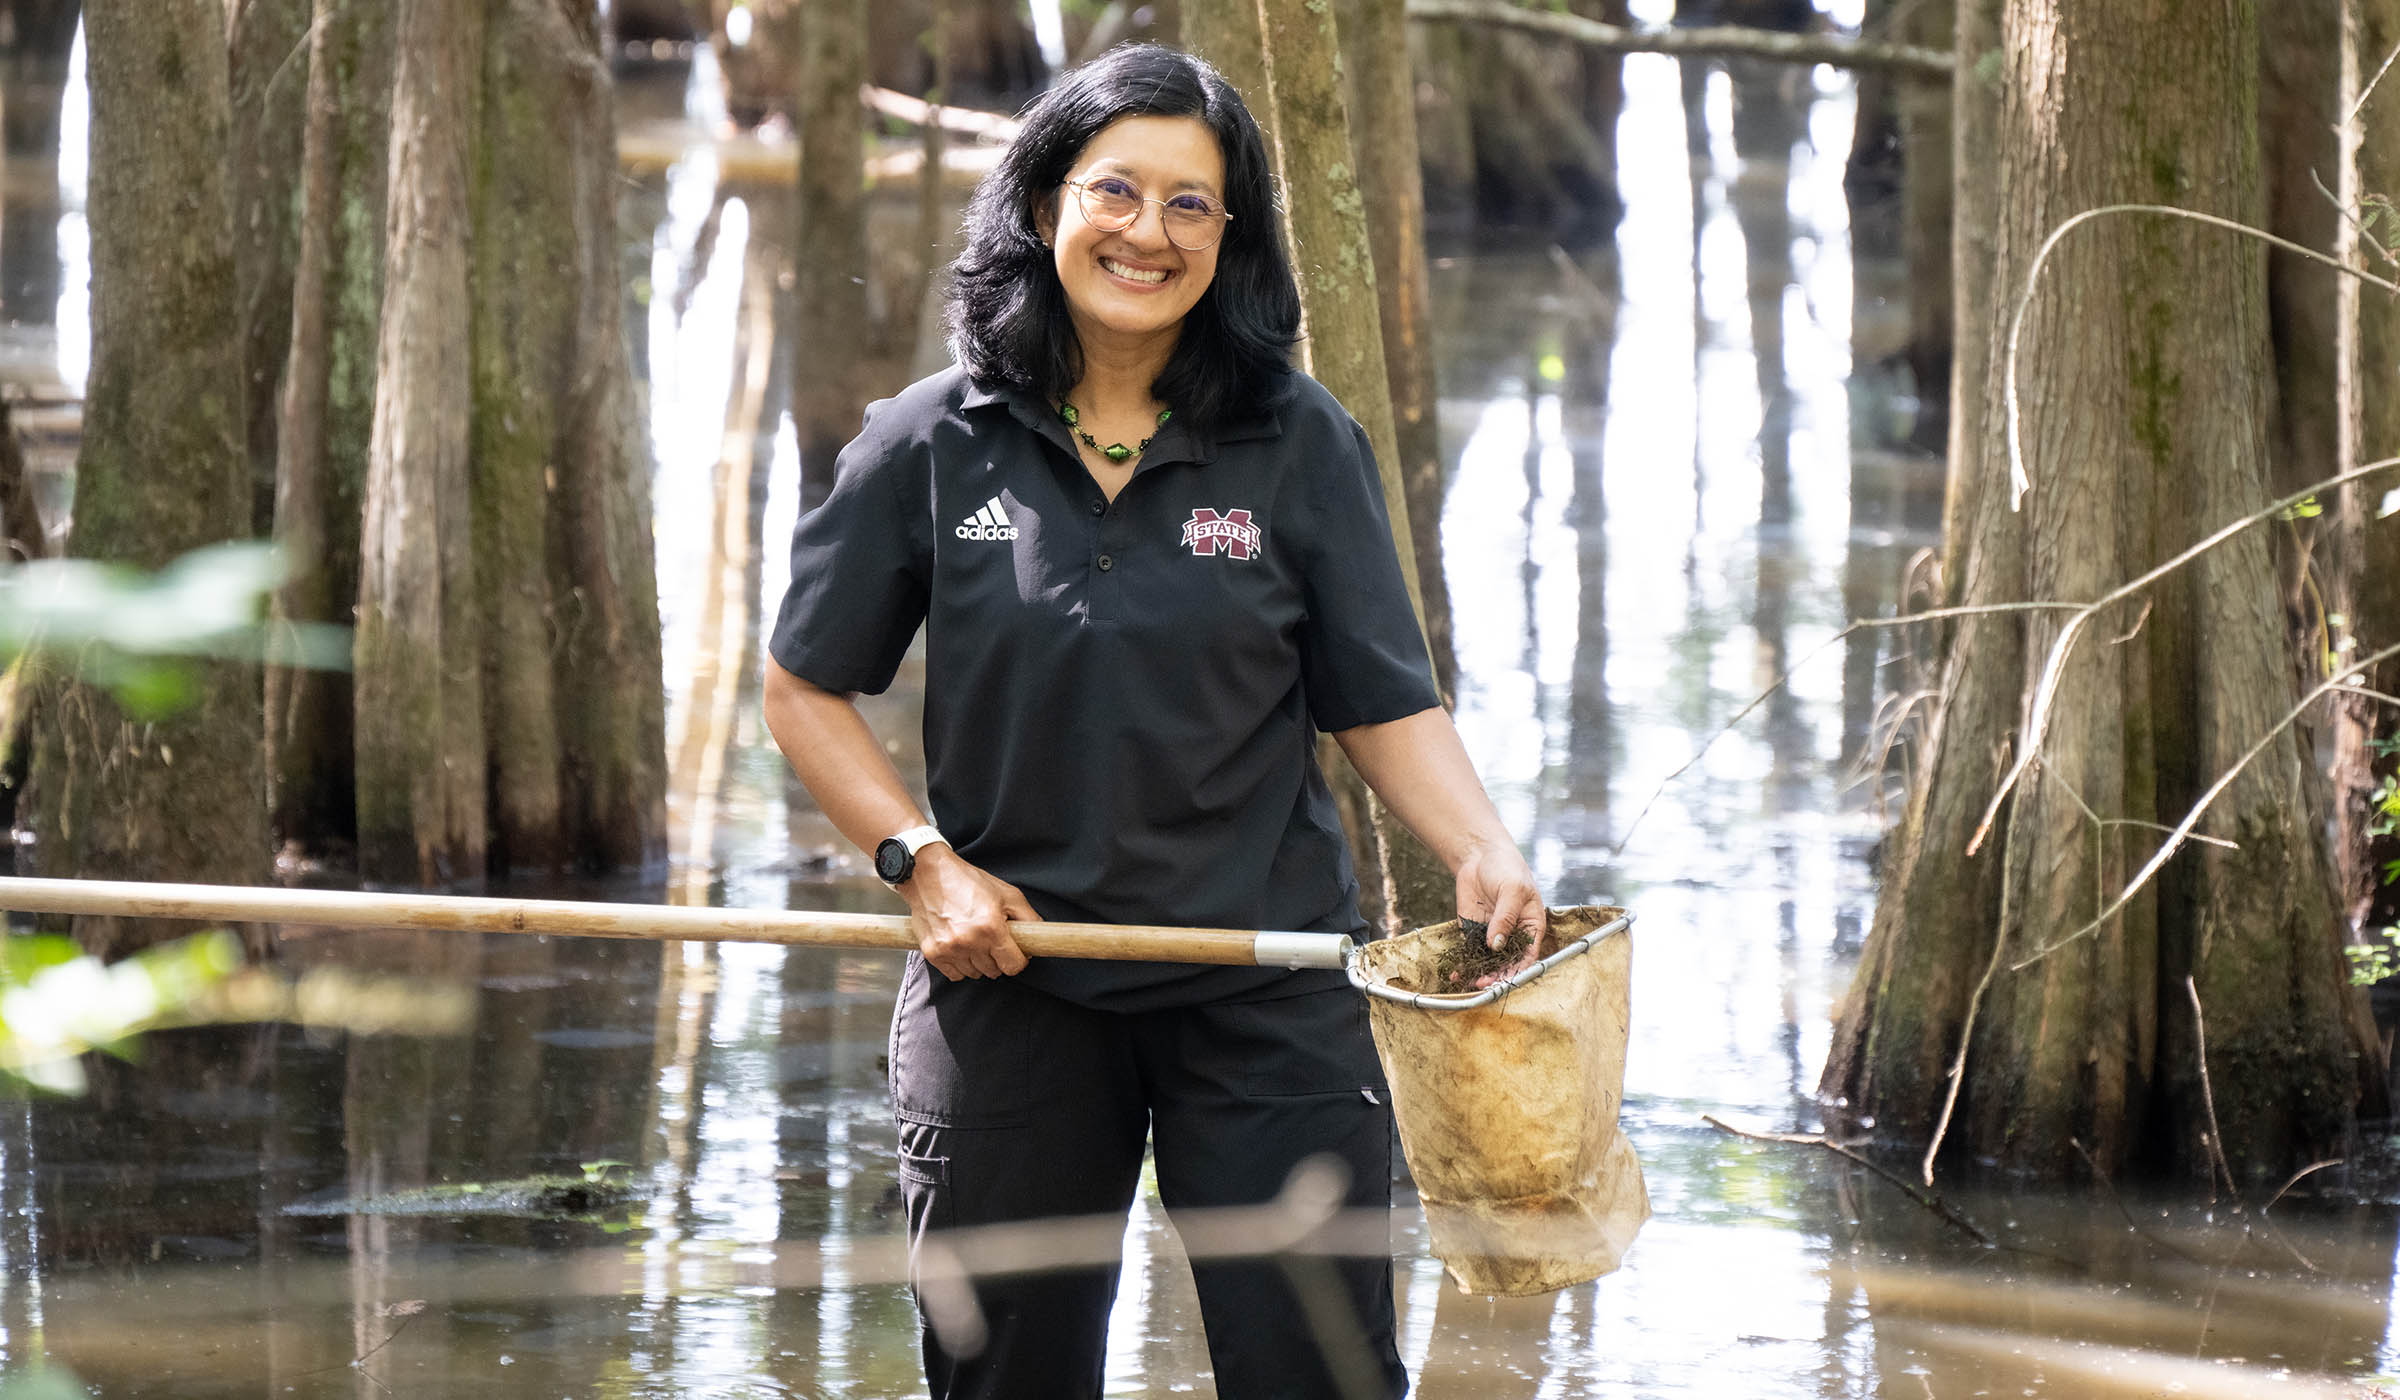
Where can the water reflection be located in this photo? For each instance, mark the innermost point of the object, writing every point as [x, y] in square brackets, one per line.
[1675, 477]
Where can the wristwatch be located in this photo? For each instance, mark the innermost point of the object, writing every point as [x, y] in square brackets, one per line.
[896, 856]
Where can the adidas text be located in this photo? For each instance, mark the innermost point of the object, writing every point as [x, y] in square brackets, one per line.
[989, 523]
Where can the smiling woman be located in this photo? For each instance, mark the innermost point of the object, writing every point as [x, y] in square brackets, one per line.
[1151, 561]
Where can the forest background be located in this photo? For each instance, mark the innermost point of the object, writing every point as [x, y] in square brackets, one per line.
[358, 288]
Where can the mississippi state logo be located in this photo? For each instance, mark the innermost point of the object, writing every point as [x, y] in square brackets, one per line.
[1231, 533]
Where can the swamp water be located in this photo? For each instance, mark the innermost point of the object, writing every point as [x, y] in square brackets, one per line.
[1676, 475]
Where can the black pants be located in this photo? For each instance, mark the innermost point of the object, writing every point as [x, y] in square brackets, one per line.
[1016, 1105]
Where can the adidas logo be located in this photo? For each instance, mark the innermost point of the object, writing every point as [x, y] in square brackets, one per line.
[989, 523]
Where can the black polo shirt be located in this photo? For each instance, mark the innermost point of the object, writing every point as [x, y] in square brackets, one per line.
[1121, 698]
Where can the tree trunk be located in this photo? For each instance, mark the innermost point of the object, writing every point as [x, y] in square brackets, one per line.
[2144, 376]
[1874, 175]
[162, 469]
[524, 341]
[268, 42]
[2299, 91]
[1336, 264]
[1927, 116]
[1975, 90]
[1383, 97]
[1226, 33]
[327, 408]
[2366, 562]
[604, 570]
[420, 716]
[828, 395]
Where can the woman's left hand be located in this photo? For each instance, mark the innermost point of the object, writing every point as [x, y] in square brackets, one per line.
[1496, 887]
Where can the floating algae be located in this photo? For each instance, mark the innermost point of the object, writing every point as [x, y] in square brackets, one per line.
[537, 1197]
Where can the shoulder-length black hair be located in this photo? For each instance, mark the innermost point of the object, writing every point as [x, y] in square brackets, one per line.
[1008, 313]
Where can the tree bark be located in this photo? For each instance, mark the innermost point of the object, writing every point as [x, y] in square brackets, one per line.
[1226, 33]
[327, 408]
[2144, 378]
[2366, 554]
[269, 45]
[828, 394]
[1384, 132]
[604, 571]
[162, 469]
[1336, 264]
[420, 705]
[524, 339]
[2299, 89]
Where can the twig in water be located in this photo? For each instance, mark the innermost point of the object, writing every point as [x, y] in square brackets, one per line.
[2119, 1202]
[1966, 1029]
[2288, 1183]
[2208, 1096]
[1926, 1199]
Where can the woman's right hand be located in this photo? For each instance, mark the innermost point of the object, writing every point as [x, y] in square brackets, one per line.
[962, 916]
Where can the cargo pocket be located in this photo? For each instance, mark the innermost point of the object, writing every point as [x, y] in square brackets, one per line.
[1313, 1044]
[961, 1051]
[925, 1192]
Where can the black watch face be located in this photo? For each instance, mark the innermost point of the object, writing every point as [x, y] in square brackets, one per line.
[893, 861]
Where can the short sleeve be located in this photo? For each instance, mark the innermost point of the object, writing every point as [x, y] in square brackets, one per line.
[860, 563]
[1362, 656]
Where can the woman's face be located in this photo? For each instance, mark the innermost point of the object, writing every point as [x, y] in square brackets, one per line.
[1135, 283]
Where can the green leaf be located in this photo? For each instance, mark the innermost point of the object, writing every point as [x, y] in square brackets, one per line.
[24, 954]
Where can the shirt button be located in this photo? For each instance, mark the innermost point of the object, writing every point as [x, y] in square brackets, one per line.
[1107, 563]
[1099, 507]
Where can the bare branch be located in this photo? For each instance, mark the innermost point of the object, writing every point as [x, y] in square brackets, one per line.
[2018, 481]
[2350, 217]
[1706, 41]
[2045, 691]
[1966, 1032]
[1863, 624]
[2369, 90]
[2183, 829]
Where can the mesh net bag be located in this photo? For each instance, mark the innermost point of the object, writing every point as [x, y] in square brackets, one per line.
[1508, 1112]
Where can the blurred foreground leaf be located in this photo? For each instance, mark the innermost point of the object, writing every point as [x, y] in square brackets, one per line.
[136, 634]
[58, 1003]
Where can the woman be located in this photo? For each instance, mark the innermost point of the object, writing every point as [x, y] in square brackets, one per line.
[1151, 560]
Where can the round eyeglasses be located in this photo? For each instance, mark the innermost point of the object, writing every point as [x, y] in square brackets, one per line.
[1194, 222]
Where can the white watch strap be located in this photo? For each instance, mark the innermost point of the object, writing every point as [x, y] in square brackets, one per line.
[917, 838]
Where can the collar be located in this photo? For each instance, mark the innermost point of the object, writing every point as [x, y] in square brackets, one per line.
[1260, 421]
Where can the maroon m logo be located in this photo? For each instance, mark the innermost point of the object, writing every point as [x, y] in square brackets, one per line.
[1231, 533]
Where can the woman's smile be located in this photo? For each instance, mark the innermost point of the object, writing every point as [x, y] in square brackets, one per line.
[1128, 286]
[1136, 273]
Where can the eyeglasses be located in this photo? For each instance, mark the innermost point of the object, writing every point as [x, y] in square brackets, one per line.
[1194, 222]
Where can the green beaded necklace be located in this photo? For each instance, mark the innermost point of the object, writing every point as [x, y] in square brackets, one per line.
[1115, 451]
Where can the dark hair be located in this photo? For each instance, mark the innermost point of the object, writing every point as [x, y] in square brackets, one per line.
[1008, 313]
